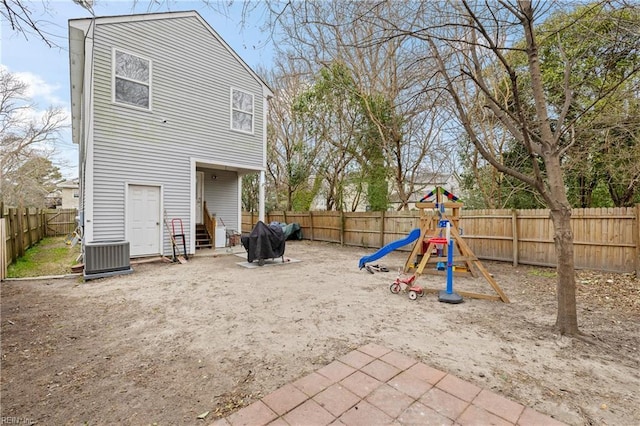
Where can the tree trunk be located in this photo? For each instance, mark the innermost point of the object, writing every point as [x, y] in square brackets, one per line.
[555, 194]
[567, 319]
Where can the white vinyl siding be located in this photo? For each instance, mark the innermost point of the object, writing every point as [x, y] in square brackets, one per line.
[241, 111]
[131, 79]
[190, 117]
[221, 196]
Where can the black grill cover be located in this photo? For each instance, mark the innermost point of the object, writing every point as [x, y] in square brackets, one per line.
[264, 242]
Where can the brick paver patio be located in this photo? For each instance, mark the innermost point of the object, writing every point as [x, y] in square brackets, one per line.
[376, 386]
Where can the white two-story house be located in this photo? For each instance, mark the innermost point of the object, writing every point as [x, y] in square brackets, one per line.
[168, 118]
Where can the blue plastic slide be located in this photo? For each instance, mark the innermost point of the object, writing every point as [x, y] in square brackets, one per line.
[385, 250]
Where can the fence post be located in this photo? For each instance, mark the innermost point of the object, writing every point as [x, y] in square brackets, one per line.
[3, 247]
[311, 223]
[39, 221]
[34, 235]
[36, 225]
[43, 224]
[341, 227]
[382, 228]
[27, 217]
[39, 228]
[34, 231]
[514, 235]
[10, 224]
[636, 237]
[3, 244]
[39, 235]
[19, 233]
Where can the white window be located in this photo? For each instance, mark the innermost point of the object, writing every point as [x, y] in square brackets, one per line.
[131, 79]
[241, 111]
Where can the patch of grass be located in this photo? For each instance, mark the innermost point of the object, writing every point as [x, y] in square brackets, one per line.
[546, 273]
[51, 256]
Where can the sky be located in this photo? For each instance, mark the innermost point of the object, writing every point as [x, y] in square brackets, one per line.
[46, 69]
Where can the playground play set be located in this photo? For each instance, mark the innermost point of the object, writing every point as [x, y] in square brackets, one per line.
[439, 244]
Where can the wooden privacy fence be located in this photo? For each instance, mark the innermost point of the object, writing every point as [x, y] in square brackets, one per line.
[606, 239]
[22, 228]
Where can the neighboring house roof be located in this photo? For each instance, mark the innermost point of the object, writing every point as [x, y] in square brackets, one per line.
[64, 184]
[435, 178]
[72, 183]
[79, 29]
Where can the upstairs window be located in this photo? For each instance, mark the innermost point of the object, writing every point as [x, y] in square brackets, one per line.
[241, 111]
[132, 79]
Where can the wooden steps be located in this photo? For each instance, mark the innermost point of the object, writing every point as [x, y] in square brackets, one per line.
[203, 239]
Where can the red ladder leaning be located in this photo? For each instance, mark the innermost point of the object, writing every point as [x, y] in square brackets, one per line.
[180, 235]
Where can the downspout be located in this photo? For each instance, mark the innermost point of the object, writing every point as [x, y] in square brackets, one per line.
[261, 196]
[262, 183]
[87, 139]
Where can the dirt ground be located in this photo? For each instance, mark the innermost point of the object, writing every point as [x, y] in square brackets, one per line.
[172, 341]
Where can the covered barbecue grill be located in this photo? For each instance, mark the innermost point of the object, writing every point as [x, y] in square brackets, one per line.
[264, 242]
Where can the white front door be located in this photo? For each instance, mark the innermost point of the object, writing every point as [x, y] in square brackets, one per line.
[143, 220]
[199, 195]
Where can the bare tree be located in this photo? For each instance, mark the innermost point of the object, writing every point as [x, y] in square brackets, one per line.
[30, 18]
[26, 143]
[317, 34]
[22, 16]
[333, 119]
[471, 43]
[483, 33]
[490, 187]
[291, 152]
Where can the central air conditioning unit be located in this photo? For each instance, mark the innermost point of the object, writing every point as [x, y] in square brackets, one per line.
[106, 258]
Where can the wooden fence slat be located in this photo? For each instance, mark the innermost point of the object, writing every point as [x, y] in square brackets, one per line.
[20, 249]
[11, 248]
[3, 248]
[514, 236]
[636, 238]
[382, 228]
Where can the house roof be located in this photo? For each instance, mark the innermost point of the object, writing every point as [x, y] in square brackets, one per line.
[80, 28]
[72, 183]
[434, 178]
